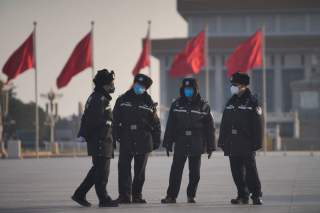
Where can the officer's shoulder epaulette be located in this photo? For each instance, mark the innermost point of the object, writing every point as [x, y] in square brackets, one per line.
[149, 99]
[254, 99]
[96, 96]
[120, 97]
[175, 102]
[204, 104]
[204, 101]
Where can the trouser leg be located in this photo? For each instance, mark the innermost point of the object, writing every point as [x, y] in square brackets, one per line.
[194, 175]
[176, 171]
[252, 177]
[102, 168]
[86, 184]
[140, 163]
[124, 174]
[238, 174]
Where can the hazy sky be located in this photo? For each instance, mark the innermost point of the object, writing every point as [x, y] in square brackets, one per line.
[119, 27]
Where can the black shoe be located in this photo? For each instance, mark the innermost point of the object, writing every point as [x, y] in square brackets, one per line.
[240, 200]
[257, 201]
[168, 200]
[108, 203]
[138, 200]
[124, 200]
[81, 200]
[191, 200]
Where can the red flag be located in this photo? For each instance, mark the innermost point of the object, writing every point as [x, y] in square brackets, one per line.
[247, 55]
[21, 60]
[79, 60]
[144, 59]
[191, 59]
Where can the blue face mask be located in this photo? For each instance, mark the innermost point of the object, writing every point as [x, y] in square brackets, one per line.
[138, 89]
[188, 92]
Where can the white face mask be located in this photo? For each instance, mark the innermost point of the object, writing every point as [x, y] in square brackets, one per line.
[234, 90]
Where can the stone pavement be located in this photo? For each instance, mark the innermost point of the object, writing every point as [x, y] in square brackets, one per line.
[290, 184]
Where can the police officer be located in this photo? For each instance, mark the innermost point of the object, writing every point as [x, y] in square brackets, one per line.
[190, 127]
[96, 130]
[137, 129]
[241, 135]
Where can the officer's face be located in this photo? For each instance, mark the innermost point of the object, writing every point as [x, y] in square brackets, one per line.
[138, 89]
[109, 88]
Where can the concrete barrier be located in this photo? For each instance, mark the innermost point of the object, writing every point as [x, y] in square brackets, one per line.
[14, 149]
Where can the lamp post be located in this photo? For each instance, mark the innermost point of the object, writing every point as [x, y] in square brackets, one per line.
[52, 112]
[5, 90]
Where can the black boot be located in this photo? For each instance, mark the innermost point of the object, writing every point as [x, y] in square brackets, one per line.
[191, 200]
[168, 200]
[240, 200]
[138, 200]
[81, 200]
[257, 201]
[108, 202]
[124, 199]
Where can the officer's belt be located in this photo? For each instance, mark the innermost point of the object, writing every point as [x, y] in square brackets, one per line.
[189, 132]
[133, 127]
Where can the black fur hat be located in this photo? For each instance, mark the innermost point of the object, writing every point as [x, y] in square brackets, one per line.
[103, 77]
[143, 80]
[240, 78]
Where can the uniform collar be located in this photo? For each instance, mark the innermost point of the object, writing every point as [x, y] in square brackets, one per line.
[103, 92]
[132, 95]
[193, 100]
[246, 94]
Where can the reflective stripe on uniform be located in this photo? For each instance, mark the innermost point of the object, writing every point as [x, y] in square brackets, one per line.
[230, 107]
[146, 108]
[244, 107]
[198, 112]
[180, 110]
[127, 104]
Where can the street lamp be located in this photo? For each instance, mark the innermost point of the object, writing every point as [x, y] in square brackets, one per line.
[52, 112]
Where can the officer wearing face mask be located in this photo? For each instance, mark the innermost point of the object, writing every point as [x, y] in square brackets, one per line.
[137, 129]
[190, 127]
[96, 130]
[241, 135]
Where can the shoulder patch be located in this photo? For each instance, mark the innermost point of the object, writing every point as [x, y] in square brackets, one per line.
[103, 98]
[258, 110]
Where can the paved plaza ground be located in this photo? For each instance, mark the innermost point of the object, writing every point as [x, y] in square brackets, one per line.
[290, 183]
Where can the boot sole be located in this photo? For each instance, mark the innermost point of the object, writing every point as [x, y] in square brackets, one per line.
[81, 204]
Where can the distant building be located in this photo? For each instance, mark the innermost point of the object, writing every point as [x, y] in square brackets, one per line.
[292, 51]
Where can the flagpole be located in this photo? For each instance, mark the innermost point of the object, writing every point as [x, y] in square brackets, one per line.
[92, 52]
[149, 51]
[36, 90]
[206, 52]
[264, 90]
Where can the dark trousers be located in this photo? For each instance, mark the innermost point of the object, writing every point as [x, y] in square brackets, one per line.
[126, 186]
[176, 171]
[245, 175]
[97, 176]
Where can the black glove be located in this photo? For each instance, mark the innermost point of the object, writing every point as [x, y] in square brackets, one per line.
[155, 147]
[209, 154]
[221, 147]
[168, 152]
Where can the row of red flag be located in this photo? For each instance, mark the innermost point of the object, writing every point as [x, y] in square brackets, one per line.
[190, 60]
